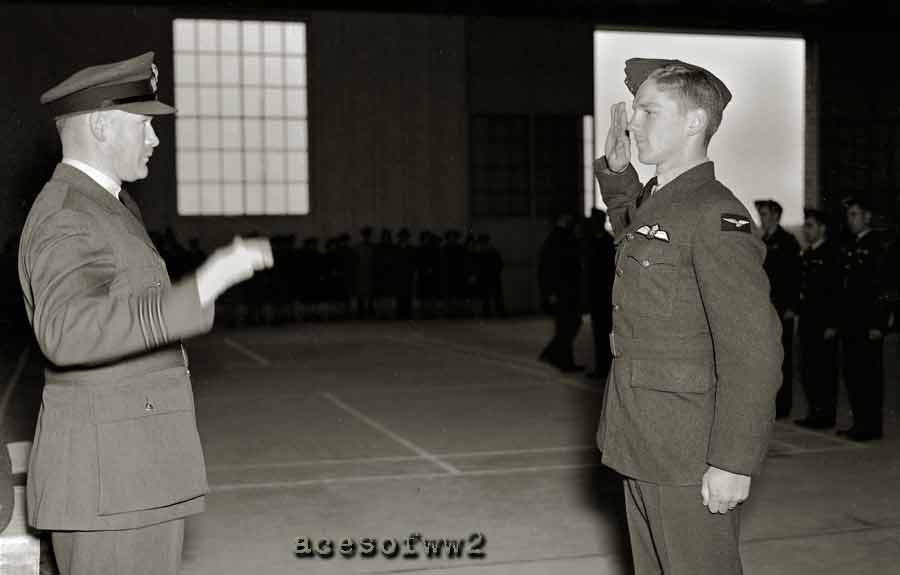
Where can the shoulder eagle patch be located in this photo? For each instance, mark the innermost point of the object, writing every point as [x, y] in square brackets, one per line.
[735, 223]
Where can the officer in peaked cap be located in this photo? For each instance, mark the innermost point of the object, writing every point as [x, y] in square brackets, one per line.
[129, 85]
[116, 462]
[690, 399]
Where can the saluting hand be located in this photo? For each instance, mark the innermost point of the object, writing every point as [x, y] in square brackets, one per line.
[723, 490]
[618, 145]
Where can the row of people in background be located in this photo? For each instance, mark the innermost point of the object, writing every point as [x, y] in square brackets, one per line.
[449, 276]
[840, 287]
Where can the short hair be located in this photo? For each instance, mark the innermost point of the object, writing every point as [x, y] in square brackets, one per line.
[692, 88]
[772, 205]
[861, 202]
[817, 215]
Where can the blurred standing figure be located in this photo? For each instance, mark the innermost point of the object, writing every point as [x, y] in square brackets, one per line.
[864, 323]
[404, 273]
[820, 284]
[559, 274]
[365, 274]
[601, 264]
[782, 266]
[116, 463]
[490, 278]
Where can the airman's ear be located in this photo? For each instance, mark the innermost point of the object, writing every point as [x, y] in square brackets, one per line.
[698, 119]
[99, 125]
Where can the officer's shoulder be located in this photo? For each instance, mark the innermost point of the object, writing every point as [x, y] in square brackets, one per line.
[60, 203]
[714, 198]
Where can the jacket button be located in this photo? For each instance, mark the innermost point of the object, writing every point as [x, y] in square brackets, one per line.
[615, 307]
[646, 263]
[619, 272]
[148, 406]
[629, 236]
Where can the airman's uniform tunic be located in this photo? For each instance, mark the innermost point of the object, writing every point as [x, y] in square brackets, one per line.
[697, 355]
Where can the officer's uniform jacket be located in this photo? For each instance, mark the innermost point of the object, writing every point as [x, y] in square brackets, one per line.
[863, 305]
[782, 266]
[116, 444]
[695, 340]
[820, 287]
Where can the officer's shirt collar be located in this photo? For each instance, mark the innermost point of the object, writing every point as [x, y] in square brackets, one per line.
[93, 173]
[666, 177]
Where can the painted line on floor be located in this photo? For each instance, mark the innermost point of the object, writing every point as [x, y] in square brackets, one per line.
[811, 433]
[399, 458]
[224, 487]
[605, 563]
[505, 360]
[396, 437]
[13, 381]
[828, 533]
[260, 360]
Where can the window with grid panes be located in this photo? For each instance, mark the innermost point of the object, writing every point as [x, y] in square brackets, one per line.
[241, 127]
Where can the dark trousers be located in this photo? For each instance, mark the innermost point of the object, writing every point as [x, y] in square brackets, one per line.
[673, 533]
[601, 325]
[818, 366]
[492, 299]
[151, 550]
[567, 322]
[784, 398]
[864, 378]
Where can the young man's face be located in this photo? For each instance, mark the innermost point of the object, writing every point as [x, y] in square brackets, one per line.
[658, 125]
[767, 217]
[857, 219]
[813, 231]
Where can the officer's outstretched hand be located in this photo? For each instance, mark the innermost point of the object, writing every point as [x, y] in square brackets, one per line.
[618, 145]
[232, 264]
[723, 490]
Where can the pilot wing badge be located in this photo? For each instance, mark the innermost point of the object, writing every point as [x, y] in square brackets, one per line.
[735, 223]
[653, 232]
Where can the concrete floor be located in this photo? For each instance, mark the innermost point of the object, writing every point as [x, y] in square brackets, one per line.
[452, 430]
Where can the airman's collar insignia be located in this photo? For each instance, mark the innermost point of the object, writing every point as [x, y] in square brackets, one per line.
[653, 232]
[735, 223]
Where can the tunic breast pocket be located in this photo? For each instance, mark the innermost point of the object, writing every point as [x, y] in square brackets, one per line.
[650, 274]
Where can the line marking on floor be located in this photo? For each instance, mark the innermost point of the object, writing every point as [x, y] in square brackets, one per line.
[223, 487]
[396, 437]
[503, 359]
[811, 433]
[400, 458]
[260, 360]
[12, 382]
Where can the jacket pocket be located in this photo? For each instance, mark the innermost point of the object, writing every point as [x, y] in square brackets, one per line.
[651, 277]
[672, 375]
[148, 449]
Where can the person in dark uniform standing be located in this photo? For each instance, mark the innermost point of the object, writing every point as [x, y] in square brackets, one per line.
[559, 274]
[820, 284]
[783, 268]
[864, 323]
[689, 405]
[601, 265]
[116, 462]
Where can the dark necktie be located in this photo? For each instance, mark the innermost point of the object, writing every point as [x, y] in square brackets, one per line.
[130, 204]
[646, 192]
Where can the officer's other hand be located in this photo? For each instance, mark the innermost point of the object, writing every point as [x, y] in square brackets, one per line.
[618, 145]
[232, 264]
[723, 490]
[830, 333]
[875, 334]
